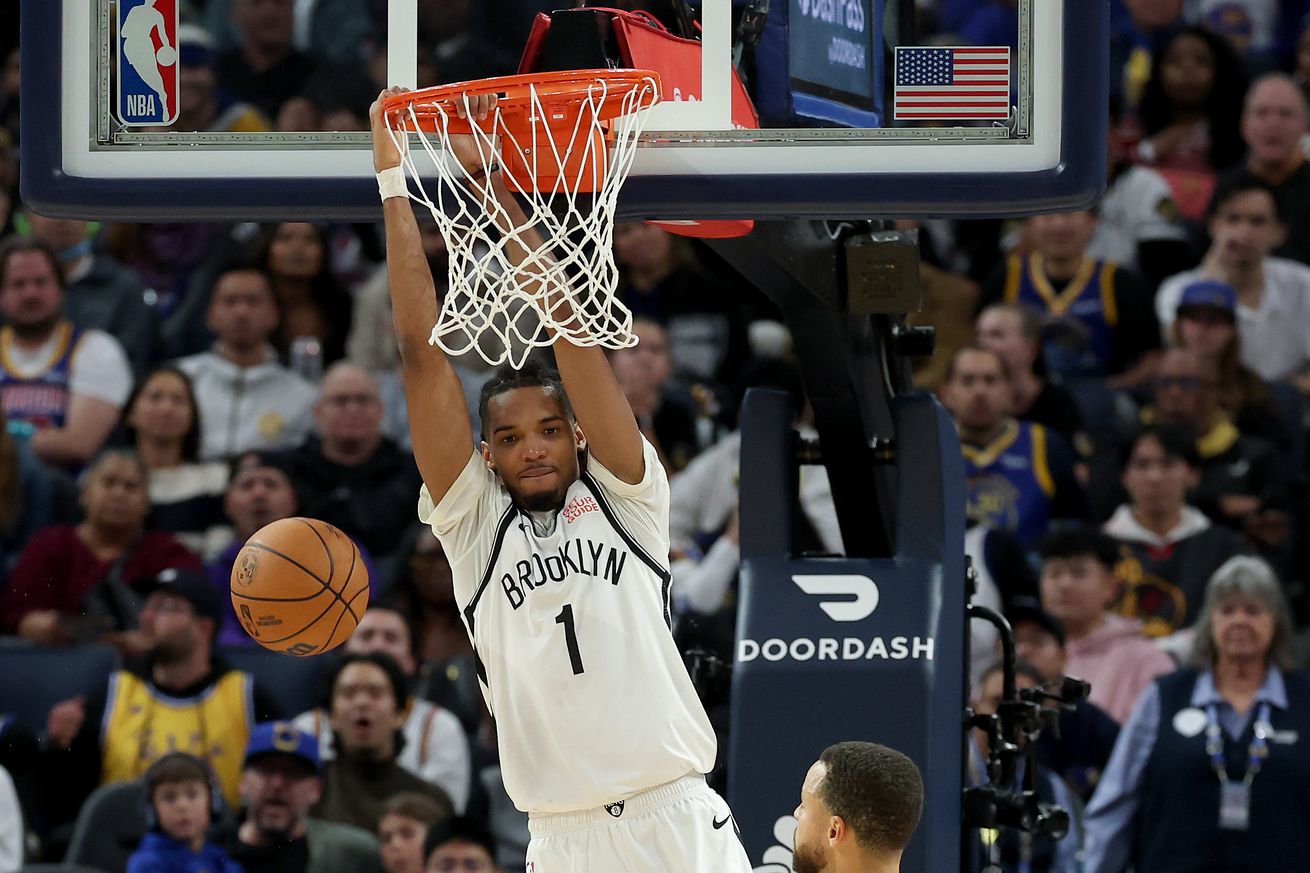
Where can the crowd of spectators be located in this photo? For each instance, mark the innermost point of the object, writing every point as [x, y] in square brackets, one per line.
[1129, 385]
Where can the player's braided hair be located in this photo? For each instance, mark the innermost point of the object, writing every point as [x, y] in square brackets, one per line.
[877, 790]
[533, 374]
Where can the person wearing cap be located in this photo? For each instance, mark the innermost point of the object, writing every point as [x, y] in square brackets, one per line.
[1079, 745]
[1243, 480]
[1168, 548]
[180, 698]
[459, 845]
[259, 492]
[281, 778]
[1206, 323]
[1246, 224]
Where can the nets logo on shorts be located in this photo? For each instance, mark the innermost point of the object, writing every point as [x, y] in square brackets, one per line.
[147, 62]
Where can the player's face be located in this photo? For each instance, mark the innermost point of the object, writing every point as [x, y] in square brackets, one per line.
[257, 496]
[978, 393]
[162, 411]
[383, 630]
[1040, 648]
[400, 841]
[31, 296]
[1063, 235]
[532, 446]
[1077, 589]
[278, 791]
[459, 856]
[296, 251]
[1273, 121]
[349, 408]
[365, 712]
[115, 494]
[242, 312]
[812, 852]
[1157, 483]
[183, 810]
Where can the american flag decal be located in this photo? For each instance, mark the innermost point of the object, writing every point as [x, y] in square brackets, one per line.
[970, 83]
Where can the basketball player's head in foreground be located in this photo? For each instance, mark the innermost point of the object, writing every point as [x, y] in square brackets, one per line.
[530, 438]
[859, 806]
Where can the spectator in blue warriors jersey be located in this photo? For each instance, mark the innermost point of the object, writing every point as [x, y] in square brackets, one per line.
[1019, 475]
[1210, 770]
[60, 385]
[1105, 303]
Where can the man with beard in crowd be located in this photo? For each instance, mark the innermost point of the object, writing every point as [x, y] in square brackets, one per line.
[859, 806]
[281, 780]
[183, 698]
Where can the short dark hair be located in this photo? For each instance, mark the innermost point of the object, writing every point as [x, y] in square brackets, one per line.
[423, 808]
[977, 348]
[17, 245]
[242, 265]
[877, 790]
[1080, 542]
[533, 374]
[1235, 186]
[1175, 441]
[173, 768]
[384, 662]
[457, 828]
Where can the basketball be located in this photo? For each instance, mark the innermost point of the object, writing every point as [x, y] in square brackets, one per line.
[299, 586]
[166, 56]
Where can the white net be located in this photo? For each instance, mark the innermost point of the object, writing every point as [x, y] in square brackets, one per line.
[522, 277]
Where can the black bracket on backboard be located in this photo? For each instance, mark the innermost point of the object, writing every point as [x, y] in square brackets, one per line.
[844, 290]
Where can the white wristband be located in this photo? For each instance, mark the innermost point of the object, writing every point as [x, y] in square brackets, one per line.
[391, 183]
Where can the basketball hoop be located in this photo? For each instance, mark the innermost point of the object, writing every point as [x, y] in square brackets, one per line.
[564, 142]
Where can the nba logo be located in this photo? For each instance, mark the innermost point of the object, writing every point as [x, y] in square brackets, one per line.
[147, 62]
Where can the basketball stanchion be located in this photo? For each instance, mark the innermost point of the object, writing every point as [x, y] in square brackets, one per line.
[565, 142]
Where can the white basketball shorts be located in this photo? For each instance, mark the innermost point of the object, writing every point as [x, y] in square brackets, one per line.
[679, 827]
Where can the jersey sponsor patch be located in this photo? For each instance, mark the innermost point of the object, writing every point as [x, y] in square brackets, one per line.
[578, 507]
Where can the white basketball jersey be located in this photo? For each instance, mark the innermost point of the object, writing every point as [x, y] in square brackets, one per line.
[590, 695]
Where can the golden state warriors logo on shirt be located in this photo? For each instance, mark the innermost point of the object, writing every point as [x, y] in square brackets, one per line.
[993, 501]
[147, 62]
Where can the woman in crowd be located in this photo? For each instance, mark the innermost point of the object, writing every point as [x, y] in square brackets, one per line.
[162, 424]
[1208, 775]
[73, 582]
[1189, 116]
[314, 304]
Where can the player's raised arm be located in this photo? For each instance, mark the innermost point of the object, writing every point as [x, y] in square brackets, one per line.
[438, 418]
[602, 410]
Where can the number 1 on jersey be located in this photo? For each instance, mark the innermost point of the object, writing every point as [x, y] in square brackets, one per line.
[565, 618]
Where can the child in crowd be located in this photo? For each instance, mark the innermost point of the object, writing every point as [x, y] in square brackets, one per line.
[181, 804]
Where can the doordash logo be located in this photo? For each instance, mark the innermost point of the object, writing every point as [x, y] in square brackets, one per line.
[861, 591]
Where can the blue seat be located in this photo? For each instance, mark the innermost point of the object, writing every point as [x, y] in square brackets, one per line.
[33, 678]
[295, 685]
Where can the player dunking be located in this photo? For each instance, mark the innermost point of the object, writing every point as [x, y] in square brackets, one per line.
[557, 533]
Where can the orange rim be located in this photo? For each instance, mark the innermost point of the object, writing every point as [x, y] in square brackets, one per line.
[561, 93]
